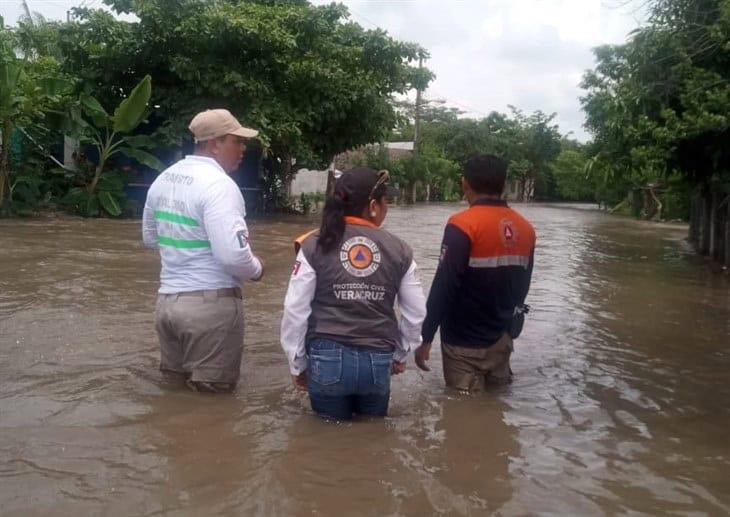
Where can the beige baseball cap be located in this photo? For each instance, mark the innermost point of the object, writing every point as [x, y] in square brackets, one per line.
[211, 124]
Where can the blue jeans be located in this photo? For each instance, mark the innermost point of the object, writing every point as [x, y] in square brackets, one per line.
[345, 379]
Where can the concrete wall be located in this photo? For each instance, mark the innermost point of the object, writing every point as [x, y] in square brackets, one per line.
[511, 190]
[309, 182]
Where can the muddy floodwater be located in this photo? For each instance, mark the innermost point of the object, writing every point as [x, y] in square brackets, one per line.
[620, 402]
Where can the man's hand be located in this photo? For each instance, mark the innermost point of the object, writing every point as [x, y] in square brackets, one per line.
[422, 354]
[397, 367]
[300, 381]
[261, 275]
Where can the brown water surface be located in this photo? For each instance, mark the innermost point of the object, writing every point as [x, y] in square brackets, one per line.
[620, 403]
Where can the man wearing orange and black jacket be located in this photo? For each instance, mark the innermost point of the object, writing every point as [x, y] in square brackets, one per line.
[478, 294]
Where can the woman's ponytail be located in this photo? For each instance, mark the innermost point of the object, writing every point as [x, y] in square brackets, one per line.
[333, 223]
[354, 191]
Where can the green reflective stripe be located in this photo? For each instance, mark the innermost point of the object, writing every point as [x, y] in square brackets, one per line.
[183, 243]
[175, 218]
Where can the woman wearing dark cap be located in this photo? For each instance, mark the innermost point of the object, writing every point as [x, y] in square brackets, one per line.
[339, 331]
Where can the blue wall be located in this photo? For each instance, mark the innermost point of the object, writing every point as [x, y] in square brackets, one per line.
[246, 177]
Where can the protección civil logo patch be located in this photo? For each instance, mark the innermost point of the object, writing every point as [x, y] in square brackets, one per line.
[360, 256]
[508, 233]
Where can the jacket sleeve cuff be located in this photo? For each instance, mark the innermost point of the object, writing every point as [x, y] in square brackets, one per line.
[259, 270]
[400, 355]
[298, 365]
[428, 334]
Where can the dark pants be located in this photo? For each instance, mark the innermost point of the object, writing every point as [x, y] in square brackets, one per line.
[344, 380]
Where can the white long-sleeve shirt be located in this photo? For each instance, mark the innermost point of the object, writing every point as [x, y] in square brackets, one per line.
[297, 309]
[194, 214]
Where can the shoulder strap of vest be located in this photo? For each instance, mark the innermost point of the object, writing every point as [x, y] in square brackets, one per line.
[299, 240]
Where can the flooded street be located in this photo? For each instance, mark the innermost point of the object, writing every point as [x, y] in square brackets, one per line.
[620, 402]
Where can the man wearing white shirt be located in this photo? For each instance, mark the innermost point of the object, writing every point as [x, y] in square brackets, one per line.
[194, 215]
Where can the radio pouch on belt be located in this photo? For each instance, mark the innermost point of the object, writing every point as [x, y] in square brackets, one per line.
[518, 320]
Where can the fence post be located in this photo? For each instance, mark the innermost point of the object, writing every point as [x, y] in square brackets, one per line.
[705, 224]
[693, 220]
[727, 230]
[714, 220]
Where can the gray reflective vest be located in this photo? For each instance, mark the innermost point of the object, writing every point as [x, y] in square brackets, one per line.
[357, 285]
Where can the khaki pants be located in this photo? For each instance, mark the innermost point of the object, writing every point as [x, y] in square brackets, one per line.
[471, 369]
[201, 334]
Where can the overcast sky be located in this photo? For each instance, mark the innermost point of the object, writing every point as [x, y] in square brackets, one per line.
[486, 54]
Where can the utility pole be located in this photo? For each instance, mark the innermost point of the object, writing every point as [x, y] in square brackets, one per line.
[417, 122]
[417, 125]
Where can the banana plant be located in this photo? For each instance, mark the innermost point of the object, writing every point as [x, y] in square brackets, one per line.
[110, 135]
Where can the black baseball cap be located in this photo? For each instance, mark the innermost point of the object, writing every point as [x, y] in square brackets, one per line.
[359, 185]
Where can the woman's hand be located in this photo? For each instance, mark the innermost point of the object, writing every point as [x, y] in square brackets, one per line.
[300, 381]
[397, 367]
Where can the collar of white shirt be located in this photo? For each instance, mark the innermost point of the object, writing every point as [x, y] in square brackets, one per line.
[205, 160]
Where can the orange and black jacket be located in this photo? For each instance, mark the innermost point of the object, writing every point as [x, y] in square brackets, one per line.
[484, 272]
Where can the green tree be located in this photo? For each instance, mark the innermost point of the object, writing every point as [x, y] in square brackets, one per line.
[32, 90]
[659, 104]
[572, 182]
[109, 135]
[436, 176]
[434, 113]
[537, 144]
[529, 143]
[312, 81]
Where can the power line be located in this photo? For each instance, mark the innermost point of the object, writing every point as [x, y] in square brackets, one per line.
[372, 23]
[459, 104]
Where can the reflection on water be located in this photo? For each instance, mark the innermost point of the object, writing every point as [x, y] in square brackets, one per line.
[620, 403]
